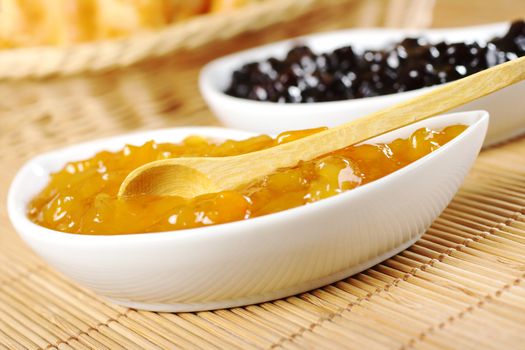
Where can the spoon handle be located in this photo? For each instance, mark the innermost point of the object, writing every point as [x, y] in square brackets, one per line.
[436, 101]
[165, 177]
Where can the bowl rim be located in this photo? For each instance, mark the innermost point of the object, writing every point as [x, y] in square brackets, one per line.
[209, 87]
[18, 216]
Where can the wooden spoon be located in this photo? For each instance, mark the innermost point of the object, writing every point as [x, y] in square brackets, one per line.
[189, 177]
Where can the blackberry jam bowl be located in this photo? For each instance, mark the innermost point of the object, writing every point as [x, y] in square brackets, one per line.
[331, 78]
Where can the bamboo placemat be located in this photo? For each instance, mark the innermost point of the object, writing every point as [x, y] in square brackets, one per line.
[461, 286]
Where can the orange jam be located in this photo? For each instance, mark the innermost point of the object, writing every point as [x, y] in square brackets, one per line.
[82, 197]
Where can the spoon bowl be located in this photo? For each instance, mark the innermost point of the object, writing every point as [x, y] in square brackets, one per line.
[259, 259]
[162, 174]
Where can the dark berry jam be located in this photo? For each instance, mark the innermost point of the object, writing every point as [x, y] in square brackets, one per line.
[342, 74]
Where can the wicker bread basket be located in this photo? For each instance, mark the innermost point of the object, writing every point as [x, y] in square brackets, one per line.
[51, 96]
[40, 62]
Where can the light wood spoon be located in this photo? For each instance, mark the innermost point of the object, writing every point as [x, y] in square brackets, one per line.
[190, 177]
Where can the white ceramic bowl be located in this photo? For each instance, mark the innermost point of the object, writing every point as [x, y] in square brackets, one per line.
[256, 260]
[505, 107]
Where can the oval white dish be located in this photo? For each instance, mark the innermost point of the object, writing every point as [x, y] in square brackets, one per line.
[505, 107]
[260, 259]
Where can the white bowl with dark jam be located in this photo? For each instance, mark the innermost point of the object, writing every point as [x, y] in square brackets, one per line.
[325, 84]
[254, 260]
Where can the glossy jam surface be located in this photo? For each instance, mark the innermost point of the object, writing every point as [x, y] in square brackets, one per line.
[81, 198]
[304, 76]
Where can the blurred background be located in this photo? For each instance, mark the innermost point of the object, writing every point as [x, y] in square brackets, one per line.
[77, 70]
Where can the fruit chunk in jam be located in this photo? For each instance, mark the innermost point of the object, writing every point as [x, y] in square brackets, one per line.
[82, 197]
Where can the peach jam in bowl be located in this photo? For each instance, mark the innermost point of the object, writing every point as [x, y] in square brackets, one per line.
[296, 229]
